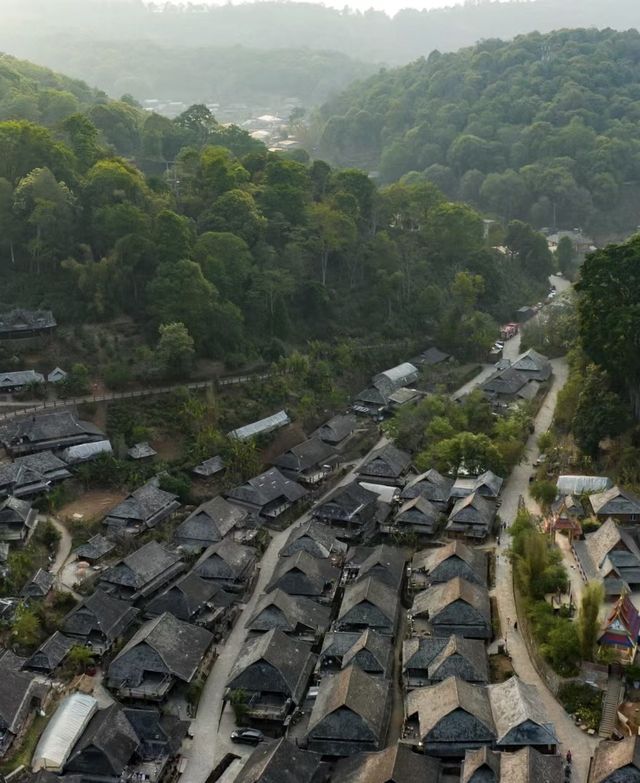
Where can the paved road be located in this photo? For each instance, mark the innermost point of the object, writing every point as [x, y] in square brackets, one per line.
[517, 485]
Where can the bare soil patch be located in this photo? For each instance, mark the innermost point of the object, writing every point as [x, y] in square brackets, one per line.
[92, 504]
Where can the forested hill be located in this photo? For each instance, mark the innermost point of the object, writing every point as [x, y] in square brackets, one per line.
[543, 128]
[251, 252]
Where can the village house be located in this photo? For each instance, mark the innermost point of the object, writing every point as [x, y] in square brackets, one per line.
[50, 654]
[431, 659]
[368, 604]
[566, 513]
[369, 650]
[488, 485]
[616, 762]
[209, 523]
[395, 764]
[273, 670]
[145, 508]
[619, 504]
[294, 615]
[456, 559]
[350, 714]
[32, 474]
[94, 549]
[385, 563]
[309, 462]
[621, 629]
[453, 607]
[523, 766]
[142, 573]
[455, 716]
[99, 622]
[418, 516]
[17, 381]
[39, 585]
[21, 323]
[302, 574]
[610, 555]
[46, 432]
[193, 600]
[337, 430]
[21, 695]
[209, 467]
[387, 465]
[229, 565]
[141, 452]
[472, 517]
[57, 375]
[351, 512]
[17, 519]
[431, 485]
[433, 356]
[161, 653]
[374, 400]
[270, 494]
[315, 539]
[282, 761]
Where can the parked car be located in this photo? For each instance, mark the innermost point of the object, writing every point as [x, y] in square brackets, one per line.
[247, 736]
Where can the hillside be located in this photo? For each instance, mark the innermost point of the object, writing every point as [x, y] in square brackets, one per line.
[544, 128]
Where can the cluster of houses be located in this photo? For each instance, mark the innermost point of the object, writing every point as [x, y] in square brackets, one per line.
[520, 380]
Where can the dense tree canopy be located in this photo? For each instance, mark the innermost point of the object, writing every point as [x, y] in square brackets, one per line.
[543, 128]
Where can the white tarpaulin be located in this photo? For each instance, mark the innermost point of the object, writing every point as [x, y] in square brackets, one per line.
[86, 451]
[579, 485]
[63, 731]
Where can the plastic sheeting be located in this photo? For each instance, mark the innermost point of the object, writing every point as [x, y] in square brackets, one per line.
[579, 485]
[86, 451]
[63, 731]
[269, 424]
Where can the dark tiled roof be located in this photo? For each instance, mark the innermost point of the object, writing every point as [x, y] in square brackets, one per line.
[615, 501]
[289, 658]
[314, 538]
[315, 574]
[110, 732]
[346, 502]
[96, 547]
[43, 466]
[51, 653]
[613, 756]
[142, 566]
[337, 429]
[395, 764]
[309, 454]
[385, 562]
[442, 657]
[210, 522]
[141, 451]
[225, 560]
[387, 462]
[142, 504]
[21, 320]
[454, 559]
[370, 591]
[435, 702]
[15, 688]
[437, 597]
[288, 613]
[188, 596]
[515, 702]
[47, 426]
[40, 585]
[431, 485]
[434, 356]
[266, 488]
[210, 467]
[280, 761]
[100, 612]
[356, 691]
[180, 645]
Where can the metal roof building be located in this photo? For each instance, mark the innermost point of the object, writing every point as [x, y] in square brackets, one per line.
[63, 731]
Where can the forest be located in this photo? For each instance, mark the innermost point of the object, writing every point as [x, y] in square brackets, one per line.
[542, 129]
[112, 211]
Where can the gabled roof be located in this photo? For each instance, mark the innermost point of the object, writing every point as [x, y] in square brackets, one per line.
[100, 612]
[41, 427]
[141, 451]
[15, 689]
[387, 462]
[514, 702]
[96, 547]
[471, 650]
[292, 659]
[142, 504]
[225, 560]
[603, 540]
[43, 466]
[286, 612]
[434, 702]
[20, 378]
[346, 502]
[431, 485]
[180, 645]
[315, 538]
[437, 597]
[40, 584]
[615, 501]
[319, 572]
[434, 356]
[346, 645]
[528, 765]
[428, 560]
[187, 596]
[372, 591]
[622, 625]
[309, 454]
[110, 732]
[142, 566]
[613, 756]
[353, 689]
[396, 764]
[472, 510]
[51, 653]
[386, 563]
[266, 488]
[14, 510]
[210, 467]
[337, 429]
[211, 521]
[533, 362]
[21, 320]
[418, 506]
[390, 380]
[431, 653]
[280, 761]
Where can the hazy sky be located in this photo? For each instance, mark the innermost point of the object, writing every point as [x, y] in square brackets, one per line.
[390, 6]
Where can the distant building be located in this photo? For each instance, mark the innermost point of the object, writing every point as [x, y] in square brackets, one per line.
[17, 381]
[145, 508]
[270, 494]
[46, 431]
[26, 323]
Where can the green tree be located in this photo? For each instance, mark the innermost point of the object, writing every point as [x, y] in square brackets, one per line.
[25, 628]
[175, 351]
[544, 493]
[79, 658]
[565, 255]
[600, 412]
[589, 618]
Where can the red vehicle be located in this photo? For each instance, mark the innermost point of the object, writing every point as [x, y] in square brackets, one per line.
[509, 330]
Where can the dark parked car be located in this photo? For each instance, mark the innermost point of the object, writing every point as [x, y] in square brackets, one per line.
[247, 736]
